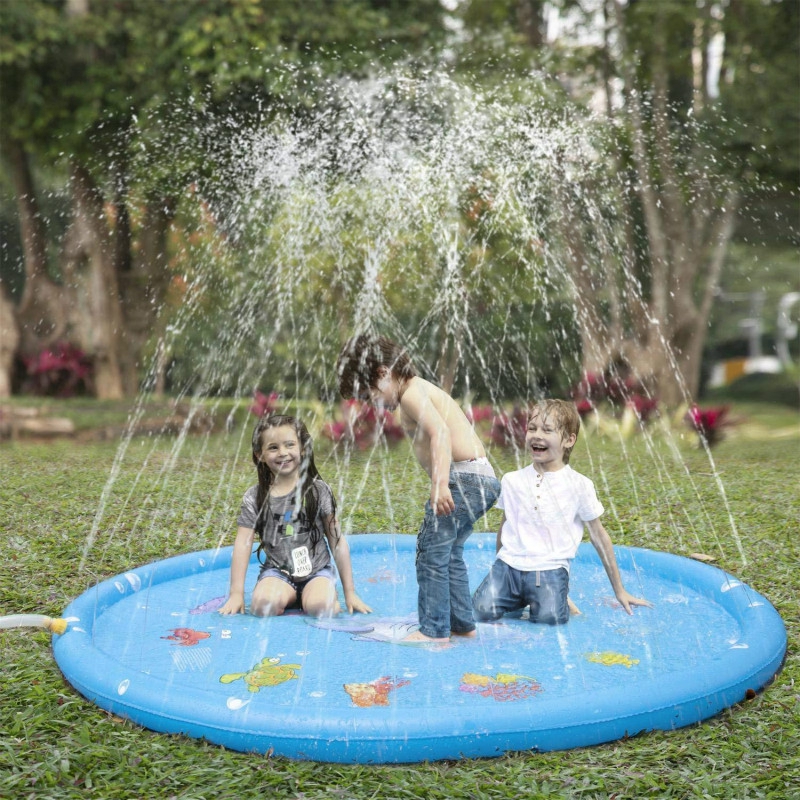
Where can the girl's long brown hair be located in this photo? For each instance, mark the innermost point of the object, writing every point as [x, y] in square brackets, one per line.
[308, 492]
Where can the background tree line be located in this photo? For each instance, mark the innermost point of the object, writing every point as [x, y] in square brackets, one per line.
[111, 174]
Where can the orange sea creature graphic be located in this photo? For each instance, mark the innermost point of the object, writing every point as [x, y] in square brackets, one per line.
[610, 658]
[374, 693]
[267, 672]
[186, 637]
[502, 687]
[384, 575]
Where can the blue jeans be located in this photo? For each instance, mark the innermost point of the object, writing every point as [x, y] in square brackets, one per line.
[507, 589]
[444, 601]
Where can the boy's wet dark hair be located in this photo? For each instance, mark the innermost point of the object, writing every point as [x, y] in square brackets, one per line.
[564, 414]
[359, 363]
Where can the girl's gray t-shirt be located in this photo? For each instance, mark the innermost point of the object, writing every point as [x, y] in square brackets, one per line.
[288, 537]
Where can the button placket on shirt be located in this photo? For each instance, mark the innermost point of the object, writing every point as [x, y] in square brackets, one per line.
[538, 486]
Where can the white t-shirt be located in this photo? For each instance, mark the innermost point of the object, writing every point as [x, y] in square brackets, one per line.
[544, 517]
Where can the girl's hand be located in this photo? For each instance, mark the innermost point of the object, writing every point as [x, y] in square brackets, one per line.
[628, 600]
[356, 604]
[233, 605]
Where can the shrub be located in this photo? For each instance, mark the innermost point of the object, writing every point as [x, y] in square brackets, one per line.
[62, 370]
[264, 403]
[363, 426]
[709, 423]
[509, 429]
[616, 392]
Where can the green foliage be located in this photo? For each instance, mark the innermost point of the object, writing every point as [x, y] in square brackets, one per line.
[57, 745]
[155, 97]
[67, 74]
[759, 87]
[130, 88]
[755, 116]
[30, 34]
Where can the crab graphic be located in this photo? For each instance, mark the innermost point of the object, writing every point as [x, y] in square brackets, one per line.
[187, 637]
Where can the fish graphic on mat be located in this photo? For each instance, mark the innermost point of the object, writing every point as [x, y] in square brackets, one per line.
[380, 629]
[267, 672]
[610, 658]
[209, 605]
[503, 687]
[395, 629]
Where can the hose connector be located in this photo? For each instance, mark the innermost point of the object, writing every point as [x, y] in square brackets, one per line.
[51, 624]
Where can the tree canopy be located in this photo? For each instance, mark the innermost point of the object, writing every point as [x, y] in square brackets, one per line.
[125, 121]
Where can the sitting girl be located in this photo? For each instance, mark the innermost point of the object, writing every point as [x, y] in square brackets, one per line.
[290, 508]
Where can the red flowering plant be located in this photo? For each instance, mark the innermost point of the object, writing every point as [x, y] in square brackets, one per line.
[584, 406]
[264, 404]
[62, 370]
[709, 423]
[509, 429]
[643, 406]
[363, 426]
[588, 392]
[623, 395]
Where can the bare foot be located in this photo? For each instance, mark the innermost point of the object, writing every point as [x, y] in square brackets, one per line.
[465, 635]
[418, 637]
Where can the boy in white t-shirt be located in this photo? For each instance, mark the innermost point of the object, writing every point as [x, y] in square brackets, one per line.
[545, 507]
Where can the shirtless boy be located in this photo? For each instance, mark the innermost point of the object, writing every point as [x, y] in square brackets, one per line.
[463, 484]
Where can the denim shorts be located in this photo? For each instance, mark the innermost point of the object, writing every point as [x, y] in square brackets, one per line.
[298, 584]
[507, 589]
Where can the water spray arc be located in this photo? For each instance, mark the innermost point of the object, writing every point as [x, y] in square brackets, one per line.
[435, 215]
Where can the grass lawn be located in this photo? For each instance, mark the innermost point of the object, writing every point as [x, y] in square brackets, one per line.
[170, 495]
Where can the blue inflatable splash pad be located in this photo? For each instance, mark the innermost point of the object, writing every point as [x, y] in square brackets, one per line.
[150, 646]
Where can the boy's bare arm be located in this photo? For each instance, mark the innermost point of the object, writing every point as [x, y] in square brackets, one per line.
[605, 549]
[417, 406]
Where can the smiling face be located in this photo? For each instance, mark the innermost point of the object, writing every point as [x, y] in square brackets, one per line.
[546, 442]
[281, 451]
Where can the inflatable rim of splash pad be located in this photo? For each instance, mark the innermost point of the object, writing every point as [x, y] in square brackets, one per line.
[683, 699]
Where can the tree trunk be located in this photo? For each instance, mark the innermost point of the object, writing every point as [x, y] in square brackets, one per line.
[597, 346]
[92, 267]
[447, 363]
[530, 16]
[41, 317]
[9, 341]
[143, 288]
[687, 242]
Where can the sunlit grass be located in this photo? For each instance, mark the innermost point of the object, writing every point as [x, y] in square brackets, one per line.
[663, 493]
